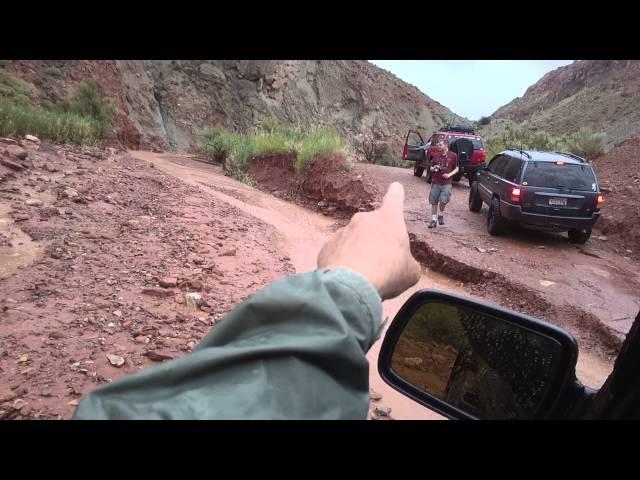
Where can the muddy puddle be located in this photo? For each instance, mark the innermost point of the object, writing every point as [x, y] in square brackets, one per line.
[17, 250]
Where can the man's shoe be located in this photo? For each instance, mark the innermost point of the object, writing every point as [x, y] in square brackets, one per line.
[441, 219]
[433, 224]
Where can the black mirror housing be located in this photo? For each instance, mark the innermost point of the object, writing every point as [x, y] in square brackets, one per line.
[467, 359]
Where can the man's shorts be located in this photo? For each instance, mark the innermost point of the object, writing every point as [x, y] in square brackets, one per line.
[439, 194]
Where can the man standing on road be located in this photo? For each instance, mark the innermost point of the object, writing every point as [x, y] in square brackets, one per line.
[444, 165]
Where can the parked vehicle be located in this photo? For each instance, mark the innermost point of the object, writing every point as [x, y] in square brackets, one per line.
[416, 149]
[553, 191]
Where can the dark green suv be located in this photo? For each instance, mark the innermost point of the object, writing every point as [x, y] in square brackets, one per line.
[553, 191]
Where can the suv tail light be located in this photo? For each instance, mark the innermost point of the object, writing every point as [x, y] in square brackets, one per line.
[516, 194]
[600, 202]
[404, 152]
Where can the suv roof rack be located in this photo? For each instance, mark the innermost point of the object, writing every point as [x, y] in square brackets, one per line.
[572, 155]
[459, 129]
[523, 152]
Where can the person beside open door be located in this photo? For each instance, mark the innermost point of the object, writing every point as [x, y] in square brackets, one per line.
[444, 165]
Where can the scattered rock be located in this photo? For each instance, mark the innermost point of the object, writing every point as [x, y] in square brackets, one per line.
[8, 141]
[602, 237]
[229, 253]
[160, 355]
[192, 285]
[382, 412]
[116, 360]
[70, 193]
[193, 299]
[168, 282]
[157, 292]
[547, 283]
[541, 247]
[48, 212]
[31, 138]
[16, 152]
[45, 392]
[589, 254]
[12, 165]
[481, 250]
[21, 217]
[412, 361]
[74, 403]
[118, 313]
[49, 167]
[34, 202]
[19, 404]
[23, 359]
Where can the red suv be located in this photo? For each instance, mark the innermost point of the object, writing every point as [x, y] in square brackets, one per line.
[416, 149]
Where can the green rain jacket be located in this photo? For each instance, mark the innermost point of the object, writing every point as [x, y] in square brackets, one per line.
[294, 350]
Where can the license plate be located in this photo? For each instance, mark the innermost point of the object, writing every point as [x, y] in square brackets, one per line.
[561, 202]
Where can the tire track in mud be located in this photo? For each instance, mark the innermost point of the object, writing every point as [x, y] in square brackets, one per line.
[584, 326]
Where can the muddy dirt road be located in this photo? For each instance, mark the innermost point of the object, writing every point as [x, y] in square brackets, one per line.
[596, 280]
[85, 241]
[302, 233]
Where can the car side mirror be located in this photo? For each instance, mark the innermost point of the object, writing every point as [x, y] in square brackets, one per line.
[467, 359]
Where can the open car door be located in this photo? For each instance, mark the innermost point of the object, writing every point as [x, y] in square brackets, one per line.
[413, 146]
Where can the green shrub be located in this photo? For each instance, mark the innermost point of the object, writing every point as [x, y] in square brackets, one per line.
[53, 72]
[236, 150]
[243, 150]
[272, 143]
[586, 143]
[14, 89]
[87, 101]
[484, 121]
[16, 119]
[216, 143]
[321, 142]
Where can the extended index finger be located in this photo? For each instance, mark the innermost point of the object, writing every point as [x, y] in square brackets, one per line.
[394, 198]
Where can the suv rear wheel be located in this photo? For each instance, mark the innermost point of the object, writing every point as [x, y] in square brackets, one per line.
[495, 222]
[475, 201]
[579, 236]
[417, 171]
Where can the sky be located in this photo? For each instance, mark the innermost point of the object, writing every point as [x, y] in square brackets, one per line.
[471, 88]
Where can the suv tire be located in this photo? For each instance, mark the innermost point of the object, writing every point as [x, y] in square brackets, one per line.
[495, 222]
[417, 171]
[579, 236]
[475, 201]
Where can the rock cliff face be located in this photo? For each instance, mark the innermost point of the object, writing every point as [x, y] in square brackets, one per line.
[164, 104]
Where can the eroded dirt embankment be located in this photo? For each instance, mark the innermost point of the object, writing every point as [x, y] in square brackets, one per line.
[326, 184]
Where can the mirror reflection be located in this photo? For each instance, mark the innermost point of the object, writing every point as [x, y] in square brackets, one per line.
[485, 366]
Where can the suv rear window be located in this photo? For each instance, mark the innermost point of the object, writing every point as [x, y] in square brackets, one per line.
[477, 141]
[552, 175]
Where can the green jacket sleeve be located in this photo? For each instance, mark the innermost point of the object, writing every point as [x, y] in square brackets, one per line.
[294, 350]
